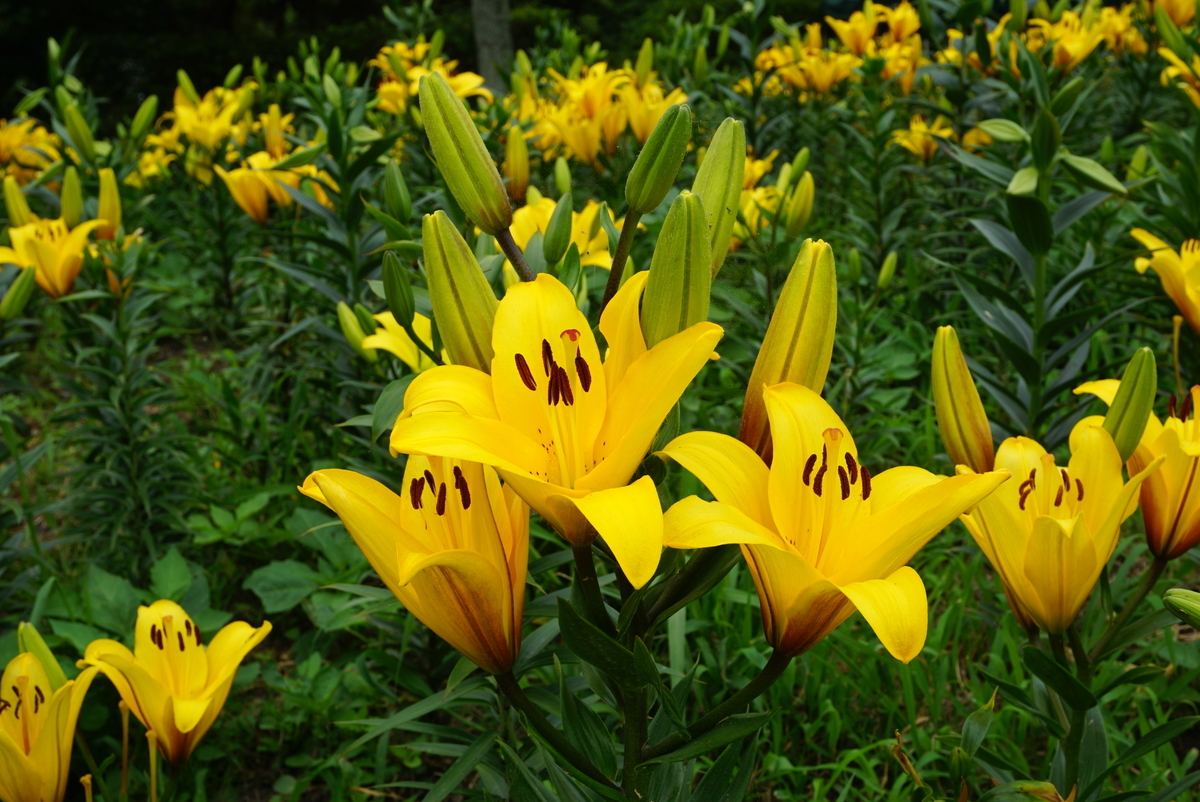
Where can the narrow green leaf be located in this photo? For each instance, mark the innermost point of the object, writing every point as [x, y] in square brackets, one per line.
[1058, 678]
[732, 728]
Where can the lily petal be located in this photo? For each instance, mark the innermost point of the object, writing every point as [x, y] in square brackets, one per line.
[896, 608]
[729, 468]
[19, 776]
[451, 388]
[696, 524]
[630, 520]
[466, 437]
[621, 325]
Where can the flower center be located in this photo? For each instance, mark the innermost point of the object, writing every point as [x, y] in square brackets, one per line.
[1052, 492]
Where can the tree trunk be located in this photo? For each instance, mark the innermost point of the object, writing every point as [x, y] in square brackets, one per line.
[493, 40]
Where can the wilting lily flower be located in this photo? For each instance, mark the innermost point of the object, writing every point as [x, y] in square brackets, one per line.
[559, 425]
[37, 729]
[55, 250]
[452, 547]
[1179, 272]
[173, 683]
[1050, 532]
[821, 535]
[1170, 497]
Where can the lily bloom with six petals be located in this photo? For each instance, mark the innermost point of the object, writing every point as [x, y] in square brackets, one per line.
[173, 683]
[53, 248]
[565, 430]
[453, 548]
[1179, 272]
[821, 535]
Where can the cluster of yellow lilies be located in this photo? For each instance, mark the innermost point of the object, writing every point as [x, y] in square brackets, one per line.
[172, 682]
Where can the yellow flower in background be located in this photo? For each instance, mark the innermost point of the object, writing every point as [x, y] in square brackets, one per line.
[757, 208]
[26, 149]
[822, 536]
[53, 248]
[903, 21]
[919, 137]
[1120, 33]
[1181, 12]
[857, 33]
[1050, 532]
[1188, 74]
[275, 126]
[645, 106]
[820, 72]
[902, 59]
[248, 191]
[975, 139]
[452, 547]
[1071, 40]
[391, 337]
[1170, 496]
[564, 429]
[757, 168]
[586, 230]
[1179, 272]
[37, 730]
[173, 683]
[209, 122]
[403, 65]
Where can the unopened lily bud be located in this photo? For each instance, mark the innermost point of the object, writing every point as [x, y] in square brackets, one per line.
[800, 163]
[562, 176]
[965, 430]
[654, 172]
[353, 332]
[366, 321]
[110, 205]
[887, 271]
[17, 296]
[397, 289]
[187, 87]
[395, 193]
[558, 231]
[29, 640]
[1020, 14]
[784, 179]
[462, 157]
[464, 305]
[1131, 408]
[15, 204]
[700, 63]
[533, 195]
[1138, 164]
[436, 43]
[81, 133]
[718, 184]
[800, 206]
[799, 340]
[1107, 149]
[1171, 35]
[677, 291]
[854, 266]
[645, 62]
[70, 198]
[516, 163]
[144, 118]
[1184, 604]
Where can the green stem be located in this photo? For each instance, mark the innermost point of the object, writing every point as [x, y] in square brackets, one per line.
[624, 244]
[711, 564]
[97, 775]
[1143, 589]
[511, 689]
[589, 589]
[515, 257]
[632, 779]
[772, 671]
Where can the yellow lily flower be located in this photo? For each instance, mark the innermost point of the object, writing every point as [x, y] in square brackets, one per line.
[453, 549]
[1179, 272]
[26, 149]
[37, 729]
[821, 535]
[586, 231]
[1181, 12]
[395, 340]
[646, 105]
[1050, 536]
[55, 250]
[248, 191]
[903, 21]
[856, 33]
[920, 138]
[1170, 497]
[563, 429]
[173, 683]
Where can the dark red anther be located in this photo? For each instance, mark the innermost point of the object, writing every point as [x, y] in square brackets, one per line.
[429, 480]
[583, 372]
[1066, 477]
[1185, 408]
[852, 465]
[553, 390]
[808, 468]
[441, 500]
[564, 384]
[197, 632]
[844, 478]
[819, 479]
[460, 484]
[415, 489]
[188, 625]
[1058, 498]
[525, 373]
[1171, 405]
[1079, 487]
[547, 358]
[866, 482]
[179, 635]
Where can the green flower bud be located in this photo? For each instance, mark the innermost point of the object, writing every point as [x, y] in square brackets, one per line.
[562, 176]
[397, 289]
[462, 157]
[784, 179]
[677, 291]
[353, 332]
[109, 207]
[533, 195]
[1134, 402]
[1045, 139]
[436, 43]
[700, 64]
[187, 87]
[516, 163]
[1065, 98]
[723, 39]
[718, 184]
[464, 305]
[645, 62]
[144, 118]
[1171, 35]
[799, 206]
[395, 193]
[800, 163]
[70, 198]
[1107, 149]
[365, 319]
[29, 640]
[17, 296]
[558, 231]
[15, 203]
[1138, 164]
[654, 172]
[332, 93]
[1019, 9]
[854, 266]
[81, 133]
[887, 271]
[1183, 604]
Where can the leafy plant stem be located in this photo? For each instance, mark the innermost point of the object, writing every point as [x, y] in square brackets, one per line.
[1143, 589]
[515, 257]
[633, 780]
[511, 689]
[765, 678]
[589, 588]
[97, 775]
[628, 229]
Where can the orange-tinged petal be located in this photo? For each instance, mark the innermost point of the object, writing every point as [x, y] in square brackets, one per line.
[896, 608]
